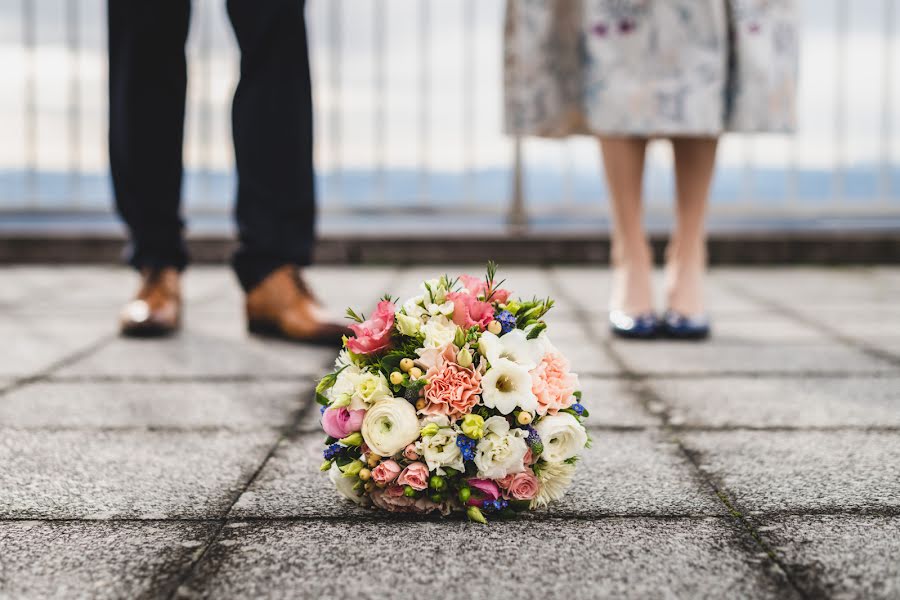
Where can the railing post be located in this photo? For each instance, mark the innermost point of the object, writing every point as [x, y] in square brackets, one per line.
[517, 217]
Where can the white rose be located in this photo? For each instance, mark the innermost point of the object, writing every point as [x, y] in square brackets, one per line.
[439, 331]
[440, 450]
[389, 426]
[513, 346]
[408, 325]
[369, 388]
[501, 451]
[562, 436]
[344, 485]
[507, 385]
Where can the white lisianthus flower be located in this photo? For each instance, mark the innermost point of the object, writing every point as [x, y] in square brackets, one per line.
[440, 450]
[389, 426]
[554, 480]
[507, 385]
[513, 346]
[438, 291]
[413, 307]
[445, 309]
[439, 331]
[562, 435]
[501, 450]
[345, 383]
[368, 388]
[344, 485]
[408, 325]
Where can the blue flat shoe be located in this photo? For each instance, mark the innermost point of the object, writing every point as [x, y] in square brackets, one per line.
[640, 327]
[682, 327]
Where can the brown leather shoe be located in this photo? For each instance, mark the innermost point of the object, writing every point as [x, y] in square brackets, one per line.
[283, 306]
[156, 310]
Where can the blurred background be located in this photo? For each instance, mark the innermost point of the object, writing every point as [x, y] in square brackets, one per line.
[409, 127]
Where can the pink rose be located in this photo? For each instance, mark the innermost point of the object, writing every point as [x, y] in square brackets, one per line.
[374, 333]
[479, 287]
[451, 390]
[410, 452]
[487, 489]
[529, 457]
[415, 476]
[520, 486]
[468, 311]
[341, 422]
[385, 472]
[553, 384]
[392, 499]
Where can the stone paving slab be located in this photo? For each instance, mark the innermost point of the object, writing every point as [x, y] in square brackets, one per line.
[841, 556]
[622, 558]
[782, 402]
[125, 474]
[810, 288]
[690, 358]
[797, 471]
[174, 405]
[42, 342]
[96, 559]
[622, 473]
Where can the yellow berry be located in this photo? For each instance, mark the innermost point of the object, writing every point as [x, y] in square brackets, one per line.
[420, 403]
[415, 372]
[369, 486]
[524, 418]
[396, 377]
[495, 327]
[406, 364]
[364, 474]
[373, 460]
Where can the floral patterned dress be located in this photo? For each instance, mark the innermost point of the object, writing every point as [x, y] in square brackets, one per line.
[649, 67]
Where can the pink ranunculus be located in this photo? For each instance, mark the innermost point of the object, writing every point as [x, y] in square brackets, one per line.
[410, 452]
[341, 422]
[468, 311]
[520, 486]
[392, 499]
[479, 287]
[374, 333]
[451, 390]
[553, 384]
[386, 472]
[415, 476]
[487, 488]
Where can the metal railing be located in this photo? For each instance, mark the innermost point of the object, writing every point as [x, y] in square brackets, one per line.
[355, 50]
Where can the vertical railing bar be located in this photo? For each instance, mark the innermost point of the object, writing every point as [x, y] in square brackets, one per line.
[380, 130]
[885, 184]
[424, 99]
[30, 99]
[74, 102]
[840, 102]
[468, 99]
[335, 124]
[203, 103]
[516, 218]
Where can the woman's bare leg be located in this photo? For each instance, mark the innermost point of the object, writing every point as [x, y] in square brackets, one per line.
[632, 259]
[686, 255]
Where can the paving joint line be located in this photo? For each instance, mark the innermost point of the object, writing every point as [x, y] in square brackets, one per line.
[824, 328]
[645, 397]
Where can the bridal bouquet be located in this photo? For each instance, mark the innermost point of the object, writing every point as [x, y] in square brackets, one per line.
[455, 400]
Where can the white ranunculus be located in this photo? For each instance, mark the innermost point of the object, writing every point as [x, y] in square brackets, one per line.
[440, 450]
[507, 385]
[408, 325]
[554, 480]
[562, 436]
[344, 485]
[368, 388]
[389, 426]
[501, 451]
[513, 346]
[439, 331]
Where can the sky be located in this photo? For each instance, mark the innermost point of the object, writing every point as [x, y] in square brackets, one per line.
[463, 115]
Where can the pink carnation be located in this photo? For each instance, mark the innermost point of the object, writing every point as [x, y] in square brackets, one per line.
[374, 333]
[553, 384]
[451, 390]
[341, 422]
[520, 486]
[478, 287]
[468, 311]
[392, 499]
[386, 472]
[415, 476]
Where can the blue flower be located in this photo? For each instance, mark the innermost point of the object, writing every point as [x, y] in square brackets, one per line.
[322, 409]
[466, 446]
[507, 321]
[578, 408]
[533, 437]
[332, 451]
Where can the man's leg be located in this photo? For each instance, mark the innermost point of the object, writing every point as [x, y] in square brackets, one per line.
[147, 81]
[272, 128]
